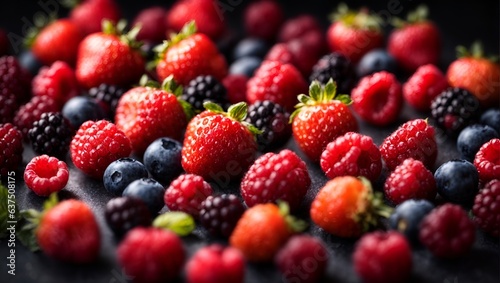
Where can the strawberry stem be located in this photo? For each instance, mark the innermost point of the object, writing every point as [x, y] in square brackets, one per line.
[420, 14]
[178, 222]
[375, 208]
[295, 224]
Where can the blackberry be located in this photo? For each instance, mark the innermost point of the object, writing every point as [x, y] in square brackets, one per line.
[14, 79]
[32, 111]
[219, 214]
[337, 67]
[124, 213]
[8, 107]
[11, 148]
[51, 134]
[108, 96]
[272, 120]
[202, 89]
[454, 109]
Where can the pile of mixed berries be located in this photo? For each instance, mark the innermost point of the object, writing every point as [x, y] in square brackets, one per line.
[192, 129]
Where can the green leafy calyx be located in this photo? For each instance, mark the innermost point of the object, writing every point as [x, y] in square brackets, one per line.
[294, 224]
[375, 208]
[476, 51]
[178, 222]
[237, 112]
[361, 19]
[420, 14]
[129, 38]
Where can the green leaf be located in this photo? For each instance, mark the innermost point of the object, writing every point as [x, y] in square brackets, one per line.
[295, 113]
[295, 224]
[344, 98]
[304, 99]
[419, 15]
[462, 51]
[214, 107]
[476, 49]
[29, 223]
[315, 91]
[51, 201]
[254, 130]
[238, 111]
[178, 222]
[108, 27]
[330, 90]
[187, 108]
[7, 203]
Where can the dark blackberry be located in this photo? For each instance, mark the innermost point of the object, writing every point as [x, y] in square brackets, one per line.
[107, 96]
[454, 109]
[273, 121]
[124, 213]
[219, 214]
[337, 67]
[32, 111]
[51, 134]
[202, 89]
[8, 107]
[11, 149]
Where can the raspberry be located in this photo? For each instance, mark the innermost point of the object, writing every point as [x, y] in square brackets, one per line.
[263, 19]
[11, 148]
[410, 180]
[186, 193]
[8, 108]
[96, 145]
[32, 111]
[108, 96]
[383, 257]
[51, 134]
[296, 52]
[298, 27]
[414, 139]
[423, 86]
[276, 176]
[57, 81]
[219, 214]
[377, 98]
[236, 86]
[202, 89]
[352, 154]
[337, 67]
[447, 231]
[124, 213]
[486, 209]
[14, 79]
[487, 160]
[45, 175]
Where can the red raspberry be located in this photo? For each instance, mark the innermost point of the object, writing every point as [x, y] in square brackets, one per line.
[11, 149]
[276, 176]
[32, 112]
[151, 255]
[45, 175]
[263, 19]
[383, 257]
[410, 180]
[57, 81]
[278, 82]
[296, 52]
[423, 86]
[186, 193]
[216, 264]
[352, 154]
[14, 79]
[447, 231]
[487, 160]
[236, 86]
[152, 23]
[97, 144]
[298, 27]
[8, 108]
[414, 139]
[377, 98]
[486, 208]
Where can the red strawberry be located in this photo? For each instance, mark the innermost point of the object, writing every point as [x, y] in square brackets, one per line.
[423, 86]
[152, 23]
[416, 42]
[90, 13]
[320, 118]
[57, 81]
[109, 57]
[188, 55]
[354, 33]
[263, 19]
[216, 264]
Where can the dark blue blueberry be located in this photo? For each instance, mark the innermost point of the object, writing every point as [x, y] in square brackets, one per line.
[472, 138]
[375, 61]
[28, 61]
[245, 66]
[457, 181]
[80, 109]
[491, 118]
[149, 191]
[250, 47]
[407, 216]
[163, 159]
[120, 173]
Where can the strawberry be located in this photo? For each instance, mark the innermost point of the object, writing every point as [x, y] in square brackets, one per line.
[477, 74]
[416, 42]
[347, 207]
[354, 33]
[89, 14]
[320, 118]
[190, 54]
[152, 23]
[109, 57]
[218, 145]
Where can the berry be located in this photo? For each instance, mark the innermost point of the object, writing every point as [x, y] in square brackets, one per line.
[410, 180]
[298, 255]
[186, 193]
[337, 67]
[219, 214]
[81, 109]
[11, 148]
[383, 257]
[122, 214]
[263, 19]
[8, 108]
[121, 172]
[447, 231]
[216, 264]
[375, 61]
[423, 86]
[236, 86]
[149, 191]
[297, 52]
[151, 255]
[472, 137]
[407, 217]
[96, 145]
[162, 158]
[14, 79]
[202, 89]
[45, 175]
[486, 208]
[51, 134]
[487, 161]
[32, 111]
[352, 154]
[457, 181]
[414, 139]
[454, 109]
[107, 96]
[299, 27]
[245, 66]
[152, 23]
[491, 118]
[57, 81]
[377, 98]
[276, 176]
[88, 15]
[28, 61]
[250, 47]
[273, 122]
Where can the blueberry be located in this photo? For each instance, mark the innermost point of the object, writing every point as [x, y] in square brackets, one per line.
[491, 118]
[80, 109]
[245, 66]
[149, 191]
[120, 173]
[28, 61]
[472, 138]
[163, 159]
[407, 216]
[457, 181]
[375, 61]
[250, 47]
